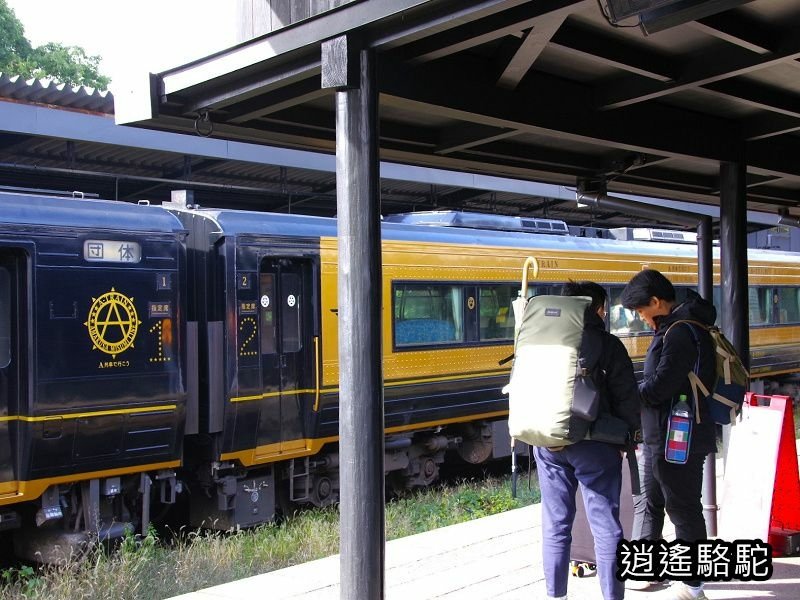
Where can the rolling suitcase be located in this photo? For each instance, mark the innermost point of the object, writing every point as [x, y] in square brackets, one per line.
[582, 558]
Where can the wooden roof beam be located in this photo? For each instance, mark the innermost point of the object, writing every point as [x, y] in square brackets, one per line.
[589, 42]
[758, 96]
[695, 182]
[291, 95]
[735, 28]
[757, 181]
[532, 46]
[716, 65]
[307, 118]
[764, 126]
[251, 85]
[774, 156]
[774, 196]
[548, 105]
[463, 136]
[513, 21]
[539, 155]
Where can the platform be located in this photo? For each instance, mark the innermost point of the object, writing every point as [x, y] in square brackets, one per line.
[497, 557]
[493, 558]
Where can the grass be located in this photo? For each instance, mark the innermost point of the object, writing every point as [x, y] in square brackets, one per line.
[145, 568]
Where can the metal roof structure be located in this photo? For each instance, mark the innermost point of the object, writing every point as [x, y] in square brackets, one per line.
[546, 90]
[62, 138]
[45, 91]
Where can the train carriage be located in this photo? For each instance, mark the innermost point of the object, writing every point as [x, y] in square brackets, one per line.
[255, 302]
[150, 355]
[92, 374]
[272, 389]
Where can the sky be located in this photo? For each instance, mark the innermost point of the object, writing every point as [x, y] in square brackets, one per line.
[132, 35]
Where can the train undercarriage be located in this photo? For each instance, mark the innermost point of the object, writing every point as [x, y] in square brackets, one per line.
[63, 522]
[224, 496]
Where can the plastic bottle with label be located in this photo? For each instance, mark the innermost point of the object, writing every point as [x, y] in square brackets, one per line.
[679, 432]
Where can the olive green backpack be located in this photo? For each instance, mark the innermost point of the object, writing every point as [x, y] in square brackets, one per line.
[552, 398]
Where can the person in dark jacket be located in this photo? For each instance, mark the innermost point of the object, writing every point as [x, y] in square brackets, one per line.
[595, 465]
[677, 348]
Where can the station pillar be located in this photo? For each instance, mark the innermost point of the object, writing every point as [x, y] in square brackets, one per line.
[350, 69]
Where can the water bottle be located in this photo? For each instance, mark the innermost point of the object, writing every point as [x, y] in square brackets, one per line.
[679, 432]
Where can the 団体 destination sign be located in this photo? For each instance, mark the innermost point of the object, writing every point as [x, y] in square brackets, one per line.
[116, 251]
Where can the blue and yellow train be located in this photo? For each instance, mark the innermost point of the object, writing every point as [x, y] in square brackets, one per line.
[156, 354]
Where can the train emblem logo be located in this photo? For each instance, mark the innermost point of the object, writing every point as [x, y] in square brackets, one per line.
[112, 322]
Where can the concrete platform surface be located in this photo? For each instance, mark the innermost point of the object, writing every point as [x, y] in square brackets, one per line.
[497, 557]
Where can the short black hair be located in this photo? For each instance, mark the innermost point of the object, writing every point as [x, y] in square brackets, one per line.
[645, 285]
[586, 288]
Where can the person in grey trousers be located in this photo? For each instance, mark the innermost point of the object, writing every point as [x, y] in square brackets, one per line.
[594, 465]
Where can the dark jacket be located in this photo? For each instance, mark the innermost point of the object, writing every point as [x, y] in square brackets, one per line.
[669, 360]
[619, 392]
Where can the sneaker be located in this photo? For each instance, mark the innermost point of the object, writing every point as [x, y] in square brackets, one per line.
[681, 591]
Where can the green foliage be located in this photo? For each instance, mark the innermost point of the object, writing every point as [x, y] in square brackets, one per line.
[23, 578]
[65, 64]
[144, 567]
[13, 44]
[439, 507]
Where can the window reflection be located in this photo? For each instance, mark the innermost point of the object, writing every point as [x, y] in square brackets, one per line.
[623, 321]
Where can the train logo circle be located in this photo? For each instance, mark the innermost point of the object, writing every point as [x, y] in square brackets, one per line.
[291, 300]
[265, 301]
[112, 323]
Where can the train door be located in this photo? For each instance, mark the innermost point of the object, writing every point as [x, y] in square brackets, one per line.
[286, 351]
[11, 274]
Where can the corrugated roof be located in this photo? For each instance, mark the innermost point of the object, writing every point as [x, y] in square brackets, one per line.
[48, 91]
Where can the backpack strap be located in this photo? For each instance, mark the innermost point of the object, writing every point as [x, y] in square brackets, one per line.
[728, 358]
[697, 387]
[696, 384]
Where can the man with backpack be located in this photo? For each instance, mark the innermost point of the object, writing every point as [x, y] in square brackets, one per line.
[595, 465]
[678, 348]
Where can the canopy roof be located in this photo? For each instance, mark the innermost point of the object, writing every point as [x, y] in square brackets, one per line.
[546, 90]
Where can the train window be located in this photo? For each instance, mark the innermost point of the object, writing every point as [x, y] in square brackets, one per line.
[622, 320]
[291, 327]
[760, 303]
[496, 314]
[428, 314]
[267, 325]
[787, 305]
[5, 317]
[543, 290]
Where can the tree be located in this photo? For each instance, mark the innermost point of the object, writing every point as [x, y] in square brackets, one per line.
[65, 64]
[13, 44]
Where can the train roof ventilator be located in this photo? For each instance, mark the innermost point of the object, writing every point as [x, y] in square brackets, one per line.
[471, 220]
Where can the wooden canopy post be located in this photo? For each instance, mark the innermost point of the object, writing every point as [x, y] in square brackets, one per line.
[733, 257]
[350, 69]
